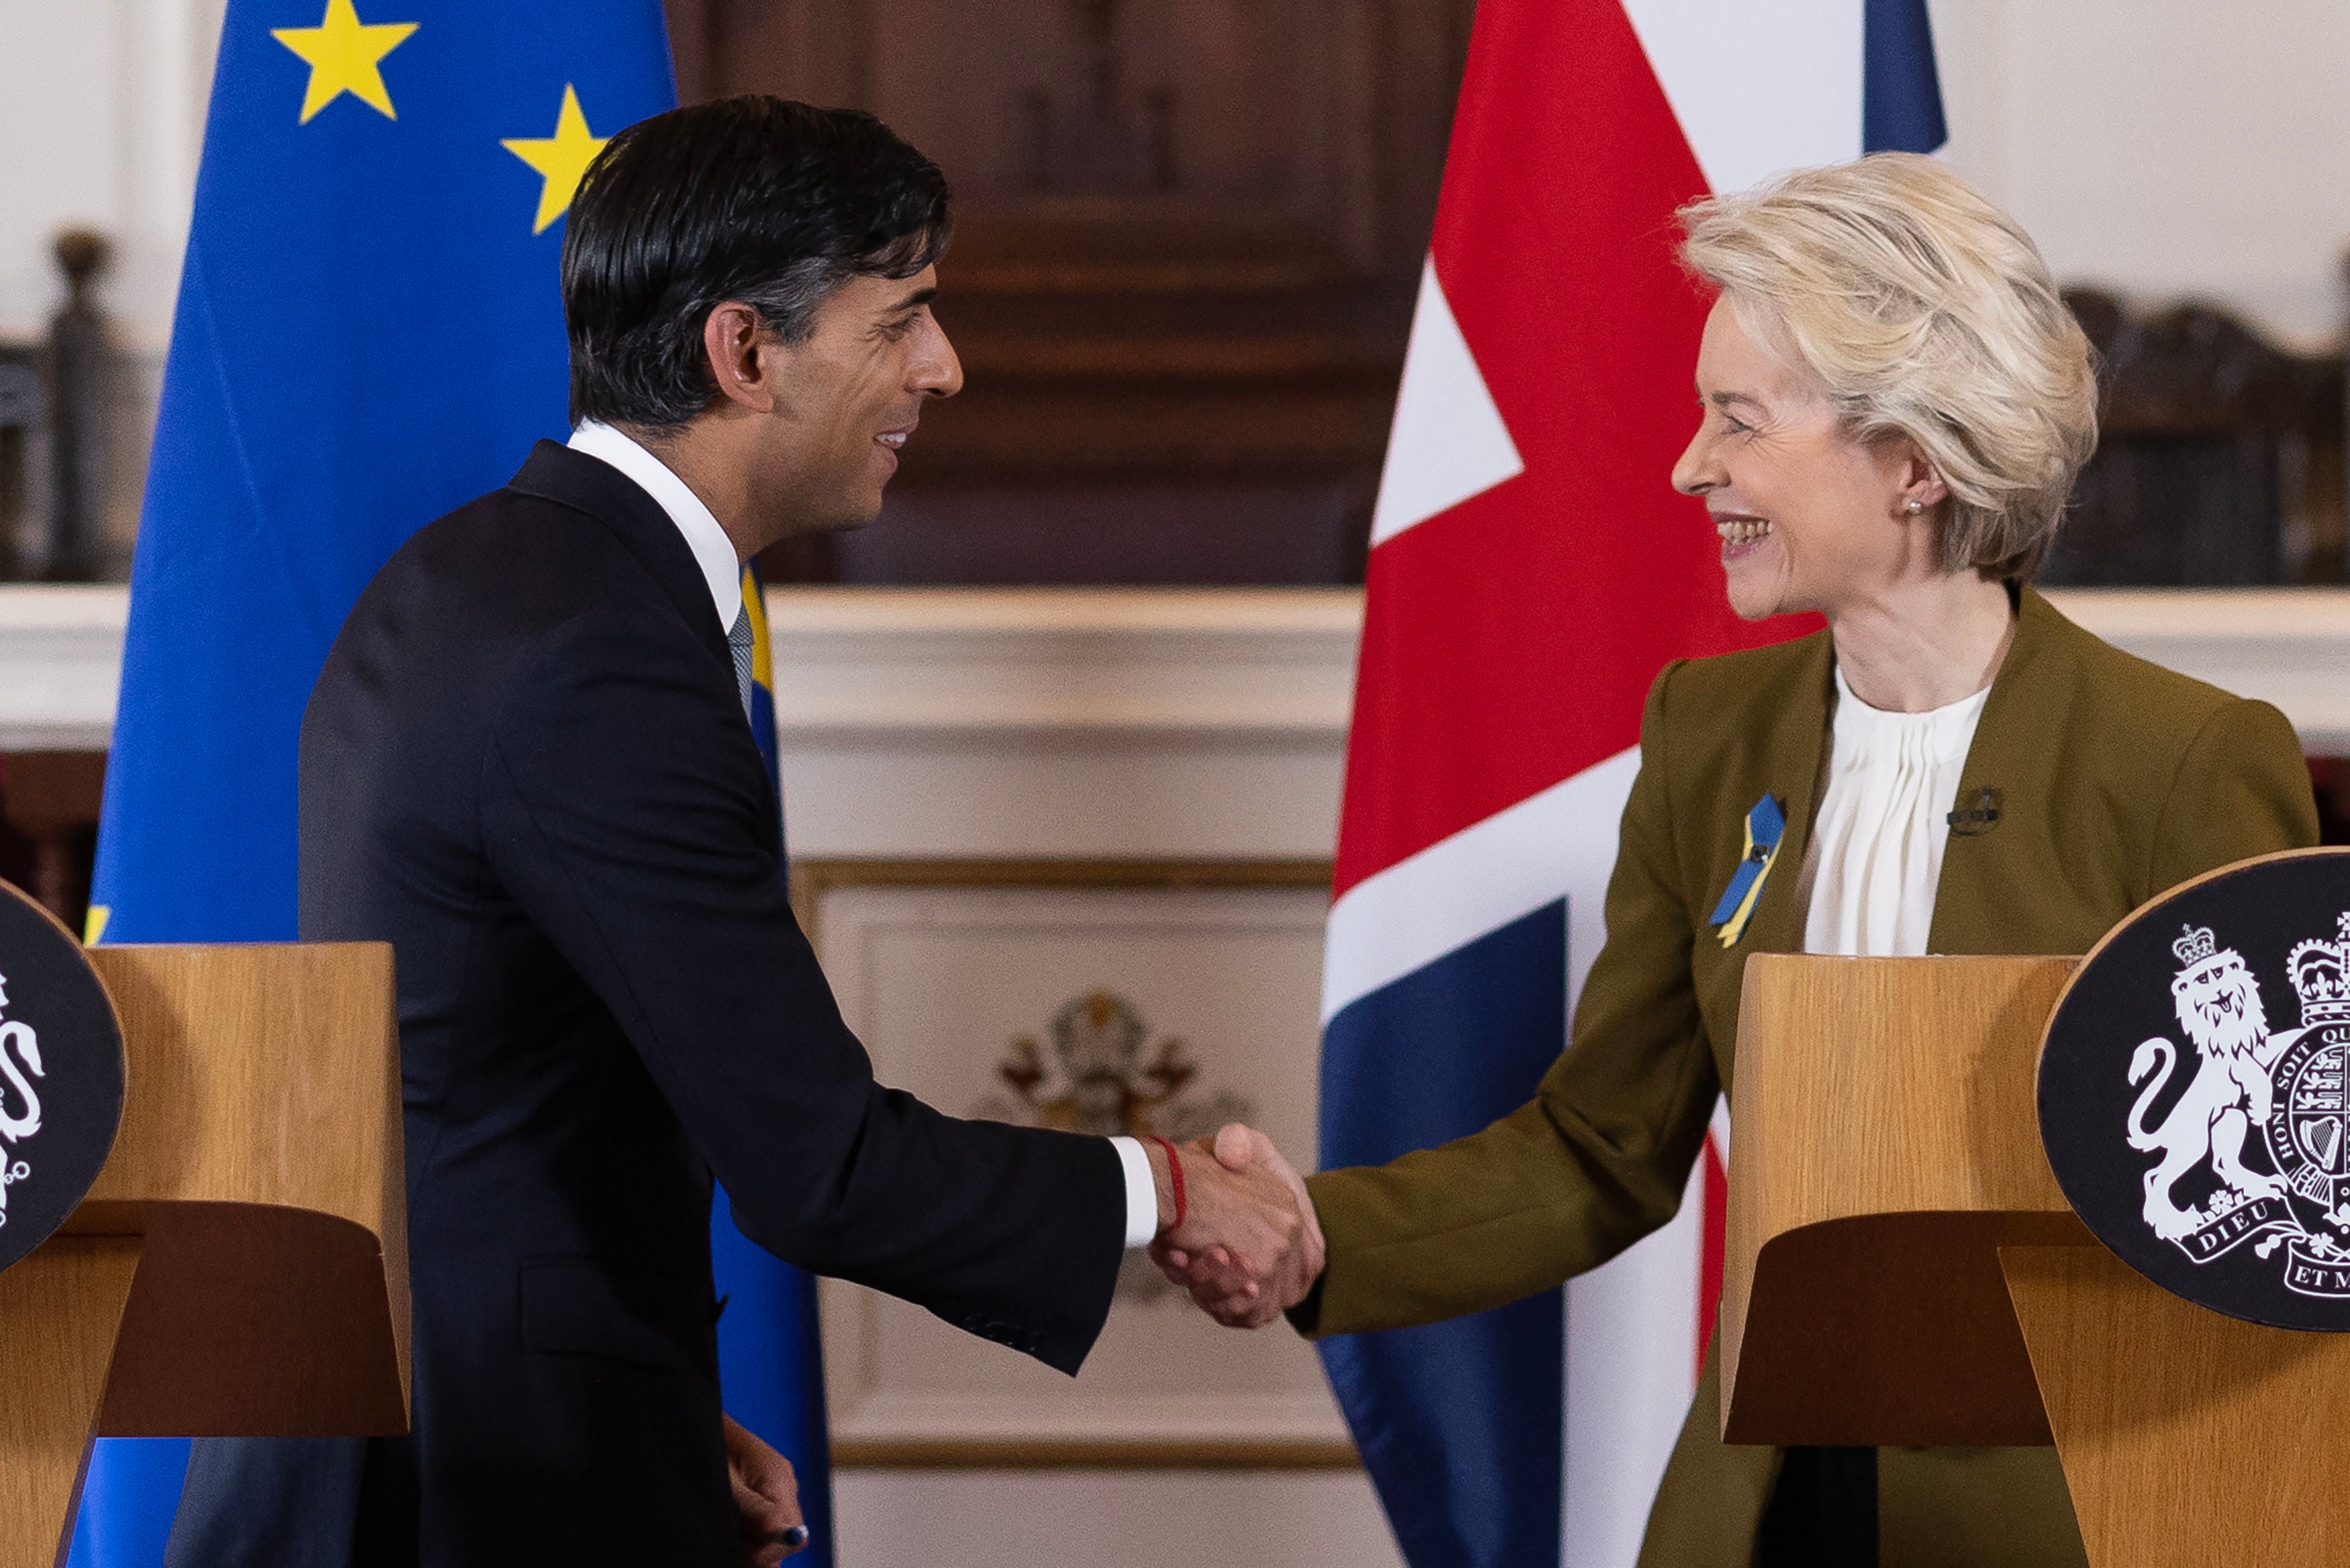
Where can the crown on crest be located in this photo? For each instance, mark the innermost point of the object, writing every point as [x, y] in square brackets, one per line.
[2320, 972]
[2194, 945]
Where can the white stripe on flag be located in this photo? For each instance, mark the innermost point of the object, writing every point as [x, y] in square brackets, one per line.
[1448, 441]
[1631, 1362]
[1559, 844]
[1747, 84]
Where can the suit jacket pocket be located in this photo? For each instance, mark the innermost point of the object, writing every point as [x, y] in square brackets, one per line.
[573, 1307]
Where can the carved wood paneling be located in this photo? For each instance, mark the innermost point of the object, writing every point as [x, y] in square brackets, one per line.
[1188, 235]
[1329, 115]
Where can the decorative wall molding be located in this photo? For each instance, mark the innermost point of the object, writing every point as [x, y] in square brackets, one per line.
[60, 663]
[1128, 721]
[1282, 662]
[1063, 724]
[2286, 646]
[1078, 662]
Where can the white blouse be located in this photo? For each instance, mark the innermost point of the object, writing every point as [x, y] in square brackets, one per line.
[1875, 854]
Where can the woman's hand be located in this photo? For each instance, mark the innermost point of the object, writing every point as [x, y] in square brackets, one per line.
[767, 1498]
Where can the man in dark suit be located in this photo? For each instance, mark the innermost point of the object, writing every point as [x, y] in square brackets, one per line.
[527, 765]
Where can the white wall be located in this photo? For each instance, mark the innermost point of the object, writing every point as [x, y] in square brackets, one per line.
[1094, 1519]
[101, 116]
[2165, 148]
[101, 121]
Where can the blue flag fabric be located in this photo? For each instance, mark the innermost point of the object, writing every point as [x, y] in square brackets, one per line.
[368, 334]
[1901, 90]
[770, 1355]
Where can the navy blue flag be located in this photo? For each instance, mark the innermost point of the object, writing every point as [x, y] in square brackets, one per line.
[368, 334]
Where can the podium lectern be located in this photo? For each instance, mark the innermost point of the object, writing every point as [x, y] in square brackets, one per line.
[1904, 1271]
[240, 1267]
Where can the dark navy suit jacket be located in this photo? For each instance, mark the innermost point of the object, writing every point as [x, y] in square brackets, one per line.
[525, 765]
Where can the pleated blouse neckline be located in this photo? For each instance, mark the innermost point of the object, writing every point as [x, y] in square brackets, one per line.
[1875, 858]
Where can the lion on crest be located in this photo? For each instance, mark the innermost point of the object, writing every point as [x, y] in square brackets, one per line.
[2218, 1003]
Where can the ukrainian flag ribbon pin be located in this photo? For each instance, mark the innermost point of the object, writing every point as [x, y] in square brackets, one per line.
[1765, 825]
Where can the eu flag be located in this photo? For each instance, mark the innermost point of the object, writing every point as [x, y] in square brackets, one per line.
[368, 334]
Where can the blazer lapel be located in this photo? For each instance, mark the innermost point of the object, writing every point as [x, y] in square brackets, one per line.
[2011, 764]
[1791, 749]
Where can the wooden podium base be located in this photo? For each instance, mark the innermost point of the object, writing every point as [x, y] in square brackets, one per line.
[2188, 1438]
[62, 1305]
[1904, 1268]
[239, 1268]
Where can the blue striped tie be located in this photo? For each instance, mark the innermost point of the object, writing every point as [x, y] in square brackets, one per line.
[738, 637]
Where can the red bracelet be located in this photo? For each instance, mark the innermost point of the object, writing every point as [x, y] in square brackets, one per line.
[1175, 1172]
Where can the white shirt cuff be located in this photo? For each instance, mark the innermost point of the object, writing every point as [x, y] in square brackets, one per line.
[1141, 1192]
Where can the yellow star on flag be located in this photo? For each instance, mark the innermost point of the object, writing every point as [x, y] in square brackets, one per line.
[562, 158]
[345, 56]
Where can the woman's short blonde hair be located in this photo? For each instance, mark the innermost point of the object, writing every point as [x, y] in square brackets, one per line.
[1926, 312]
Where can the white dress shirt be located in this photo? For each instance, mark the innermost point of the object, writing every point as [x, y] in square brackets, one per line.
[1875, 860]
[713, 552]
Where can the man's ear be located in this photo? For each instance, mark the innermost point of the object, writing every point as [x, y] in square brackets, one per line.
[742, 354]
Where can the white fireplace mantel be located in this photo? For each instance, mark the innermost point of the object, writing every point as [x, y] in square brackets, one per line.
[930, 662]
[1126, 722]
[60, 662]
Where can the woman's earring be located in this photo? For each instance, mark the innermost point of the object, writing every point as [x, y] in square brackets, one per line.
[1915, 507]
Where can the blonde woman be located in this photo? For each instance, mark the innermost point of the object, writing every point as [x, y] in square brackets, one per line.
[1895, 405]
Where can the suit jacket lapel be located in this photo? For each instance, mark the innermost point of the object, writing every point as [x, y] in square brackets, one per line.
[556, 472]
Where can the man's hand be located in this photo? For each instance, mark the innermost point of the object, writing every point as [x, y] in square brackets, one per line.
[1250, 1248]
[767, 1498]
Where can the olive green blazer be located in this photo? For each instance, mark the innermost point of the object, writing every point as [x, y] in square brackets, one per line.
[2116, 780]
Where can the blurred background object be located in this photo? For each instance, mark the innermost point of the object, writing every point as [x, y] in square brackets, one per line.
[2219, 459]
[73, 430]
[1188, 241]
[71, 548]
[24, 451]
[48, 826]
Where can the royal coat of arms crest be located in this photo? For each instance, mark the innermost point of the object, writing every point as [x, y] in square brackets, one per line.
[2238, 1134]
[20, 1095]
[61, 1075]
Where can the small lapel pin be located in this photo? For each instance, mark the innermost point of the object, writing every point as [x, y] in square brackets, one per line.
[1975, 819]
[1766, 823]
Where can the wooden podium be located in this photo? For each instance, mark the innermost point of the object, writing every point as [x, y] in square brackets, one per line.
[240, 1268]
[1902, 1270]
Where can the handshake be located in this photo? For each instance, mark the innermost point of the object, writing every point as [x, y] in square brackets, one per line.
[1243, 1238]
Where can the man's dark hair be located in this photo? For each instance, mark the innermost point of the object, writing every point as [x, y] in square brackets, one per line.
[757, 199]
